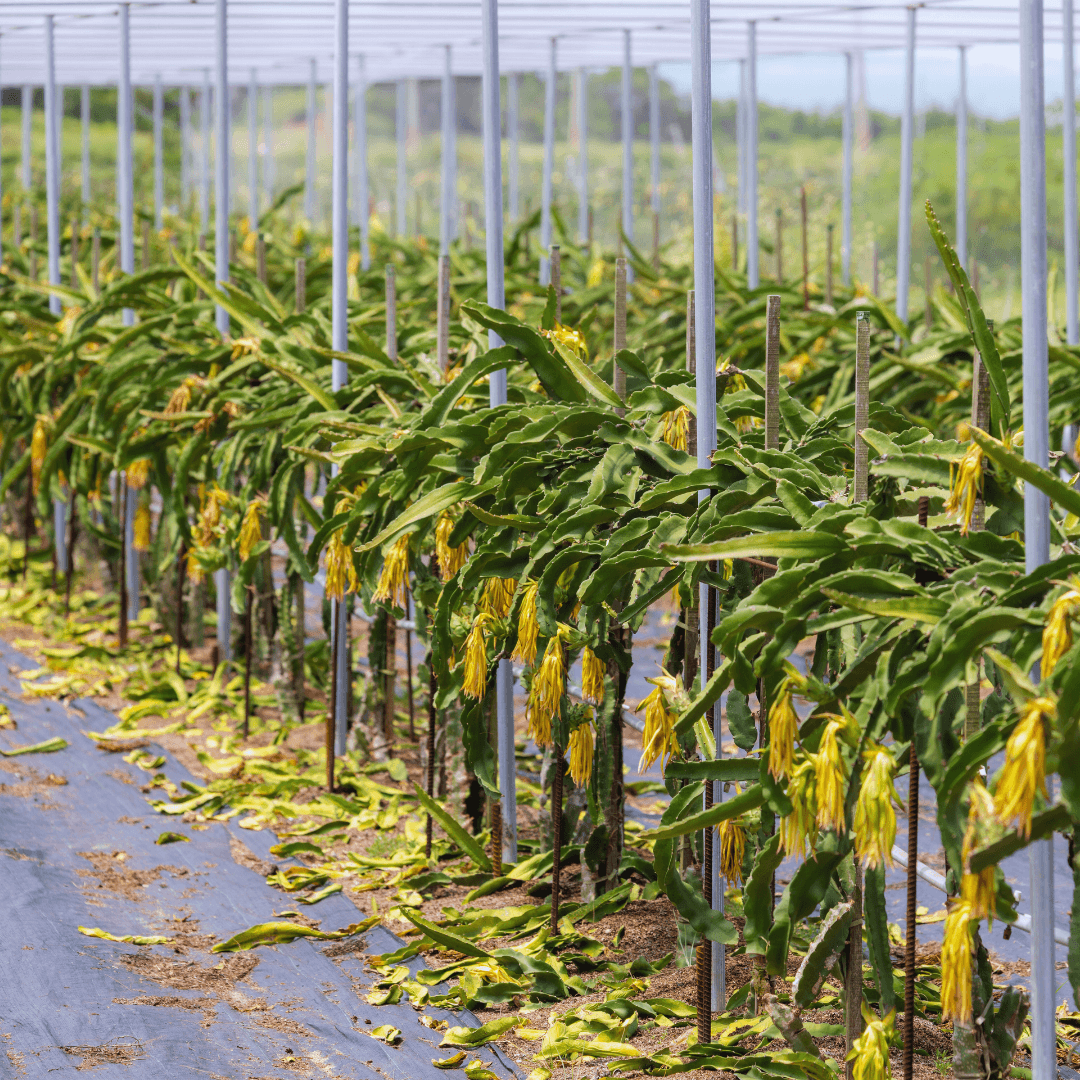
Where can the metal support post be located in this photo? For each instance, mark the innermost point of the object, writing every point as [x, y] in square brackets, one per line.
[253, 152]
[907, 133]
[740, 138]
[159, 164]
[704, 320]
[849, 146]
[221, 157]
[84, 115]
[401, 122]
[204, 153]
[654, 155]
[52, 172]
[961, 160]
[125, 179]
[309, 160]
[493, 228]
[752, 275]
[1068, 146]
[583, 156]
[549, 164]
[448, 194]
[339, 315]
[513, 133]
[627, 150]
[1036, 504]
[360, 120]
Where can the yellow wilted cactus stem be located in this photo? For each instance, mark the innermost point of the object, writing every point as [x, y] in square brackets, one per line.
[546, 690]
[675, 430]
[498, 596]
[251, 528]
[582, 741]
[966, 481]
[977, 889]
[450, 559]
[528, 627]
[340, 572]
[140, 539]
[870, 1051]
[593, 671]
[476, 665]
[831, 776]
[1024, 774]
[39, 444]
[393, 586]
[875, 816]
[658, 739]
[732, 838]
[799, 830]
[956, 964]
[1057, 637]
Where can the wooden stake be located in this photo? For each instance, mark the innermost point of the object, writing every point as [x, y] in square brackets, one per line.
[556, 835]
[862, 405]
[556, 280]
[122, 482]
[779, 246]
[805, 249]
[828, 263]
[928, 288]
[248, 605]
[391, 312]
[74, 253]
[772, 373]
[300, 270]
[432, 688]
[618, 378]
[442, 315]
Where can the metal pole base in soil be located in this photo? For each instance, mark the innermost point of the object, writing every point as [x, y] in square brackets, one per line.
[248, 605]
[431, 749]
[331, 711]
[496, 839]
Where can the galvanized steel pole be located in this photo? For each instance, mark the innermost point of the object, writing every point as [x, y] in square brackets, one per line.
[268, 143]
[961, 163]
[339, 312]
[907, 133]
[548, 167]
[159, 163]
[84, 113]
[52, 176]
[221, 157]
[360, 122]
[448, 193]
[1036, 388]
[740, 137]
[752, 277]
[583, 156]
[627, 150]
[204, 153]
[654, 138]
[704, 324]
[849, 146]
[513, 124]
[493, 225]
[1068, 147]
[253, 152]
[401, 121]
[309, 160]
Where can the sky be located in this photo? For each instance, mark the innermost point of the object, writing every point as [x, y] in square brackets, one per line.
[816, 82]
